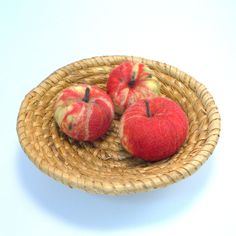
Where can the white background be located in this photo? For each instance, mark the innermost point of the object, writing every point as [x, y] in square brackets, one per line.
[38, 37]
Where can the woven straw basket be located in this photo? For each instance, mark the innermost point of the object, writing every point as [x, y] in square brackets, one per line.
[103, 166]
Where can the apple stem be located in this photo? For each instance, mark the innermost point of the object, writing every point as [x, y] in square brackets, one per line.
[132, 81]
[86, 95]
[148, 108]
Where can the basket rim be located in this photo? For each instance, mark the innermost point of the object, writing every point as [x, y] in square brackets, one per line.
[95, 186]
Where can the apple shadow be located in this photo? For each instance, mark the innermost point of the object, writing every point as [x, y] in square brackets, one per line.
[103, 212]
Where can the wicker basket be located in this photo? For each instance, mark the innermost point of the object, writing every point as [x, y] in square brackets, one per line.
[103, 166]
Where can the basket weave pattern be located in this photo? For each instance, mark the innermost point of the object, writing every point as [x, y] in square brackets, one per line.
[104, 166]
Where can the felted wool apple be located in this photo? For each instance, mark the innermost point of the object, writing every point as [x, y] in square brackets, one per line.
[130, 82]
[84, 112]
[153, 129]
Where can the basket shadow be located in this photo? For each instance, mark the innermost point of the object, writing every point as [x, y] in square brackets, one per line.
[101, 212]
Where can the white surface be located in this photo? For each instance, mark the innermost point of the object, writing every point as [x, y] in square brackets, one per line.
[38, 37]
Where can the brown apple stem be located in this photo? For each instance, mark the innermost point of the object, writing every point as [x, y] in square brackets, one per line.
[86, 95]
[132, 81]
[148, 108]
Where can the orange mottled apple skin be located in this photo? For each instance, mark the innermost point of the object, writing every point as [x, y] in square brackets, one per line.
[130, 82]
[153, 129]
[84, 112]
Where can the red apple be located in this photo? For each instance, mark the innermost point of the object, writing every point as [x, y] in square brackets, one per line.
[84, 112]
[153, 129]
[130, 82]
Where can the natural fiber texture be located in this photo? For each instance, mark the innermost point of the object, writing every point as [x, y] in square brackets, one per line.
[103, 166]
